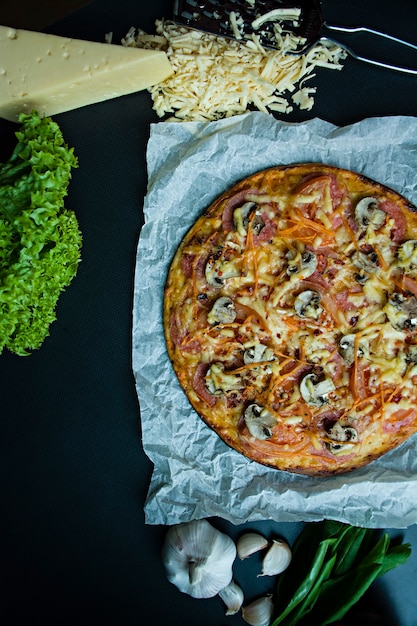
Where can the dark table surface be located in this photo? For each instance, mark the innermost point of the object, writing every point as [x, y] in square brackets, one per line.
[75, 548]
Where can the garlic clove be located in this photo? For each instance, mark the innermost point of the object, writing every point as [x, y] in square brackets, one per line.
[232, 596]
[259, 612]
[198, 558]
[249, 543]
[277, 559]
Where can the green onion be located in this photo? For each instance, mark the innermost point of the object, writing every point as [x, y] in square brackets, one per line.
[333, 565]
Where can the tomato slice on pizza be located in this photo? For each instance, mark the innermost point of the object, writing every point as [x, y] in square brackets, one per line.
[290, 317]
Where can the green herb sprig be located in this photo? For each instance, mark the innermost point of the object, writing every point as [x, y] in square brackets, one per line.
[40, 241]
[333, 565]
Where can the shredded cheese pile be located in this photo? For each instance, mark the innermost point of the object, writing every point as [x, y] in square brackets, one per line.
[215, 77]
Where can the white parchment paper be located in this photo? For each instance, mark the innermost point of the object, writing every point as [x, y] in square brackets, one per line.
[195, 474]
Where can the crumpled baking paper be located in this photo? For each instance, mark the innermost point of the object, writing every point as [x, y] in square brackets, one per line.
[195, 474]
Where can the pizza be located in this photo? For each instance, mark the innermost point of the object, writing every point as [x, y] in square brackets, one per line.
[290, 318]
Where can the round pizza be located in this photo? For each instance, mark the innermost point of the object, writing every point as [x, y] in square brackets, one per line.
[290, 316]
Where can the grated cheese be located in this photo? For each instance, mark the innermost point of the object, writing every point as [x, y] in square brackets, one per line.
[236, 22]
[215, 77]
[277, 14]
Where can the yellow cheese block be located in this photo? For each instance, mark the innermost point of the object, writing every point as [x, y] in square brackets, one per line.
[54, 74]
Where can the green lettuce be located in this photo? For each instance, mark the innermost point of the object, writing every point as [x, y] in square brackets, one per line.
[40, 240]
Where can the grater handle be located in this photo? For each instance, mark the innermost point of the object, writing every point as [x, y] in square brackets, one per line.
[371, 31]
[364, 29]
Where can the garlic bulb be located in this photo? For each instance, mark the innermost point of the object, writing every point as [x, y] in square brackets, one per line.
[277, 559]
[259, 612]
[198, 558]
[232, 596]
[249, 543]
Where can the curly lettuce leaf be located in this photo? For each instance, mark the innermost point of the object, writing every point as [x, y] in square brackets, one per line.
[40, 240]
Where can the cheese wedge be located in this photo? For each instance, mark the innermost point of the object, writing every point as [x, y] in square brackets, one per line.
[55, 74]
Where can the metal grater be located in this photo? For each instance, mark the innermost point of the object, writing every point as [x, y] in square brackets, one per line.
[213, 16]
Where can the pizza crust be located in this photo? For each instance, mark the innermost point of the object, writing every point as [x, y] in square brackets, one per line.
[290, 318]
